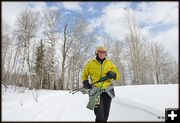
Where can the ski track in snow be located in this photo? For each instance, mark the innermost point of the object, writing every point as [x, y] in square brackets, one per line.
[48, 109]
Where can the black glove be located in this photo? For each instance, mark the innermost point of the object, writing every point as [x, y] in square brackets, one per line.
[86, 84]
[111, 75]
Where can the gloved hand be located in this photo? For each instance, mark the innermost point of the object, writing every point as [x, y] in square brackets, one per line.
[86, 84]
[111, 75]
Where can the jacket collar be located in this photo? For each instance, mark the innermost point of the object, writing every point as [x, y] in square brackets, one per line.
[100, 60]
[94, 59]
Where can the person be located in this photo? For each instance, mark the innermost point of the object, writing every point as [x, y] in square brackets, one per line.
[96, 69]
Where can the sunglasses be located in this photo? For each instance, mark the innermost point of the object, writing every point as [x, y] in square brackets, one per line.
[101, 51]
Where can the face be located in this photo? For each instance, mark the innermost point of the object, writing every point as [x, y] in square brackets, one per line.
[101, 54]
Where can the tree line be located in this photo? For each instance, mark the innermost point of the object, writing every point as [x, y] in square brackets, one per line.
[48, 50]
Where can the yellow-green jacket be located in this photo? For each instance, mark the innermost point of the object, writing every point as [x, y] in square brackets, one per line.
[96, 70]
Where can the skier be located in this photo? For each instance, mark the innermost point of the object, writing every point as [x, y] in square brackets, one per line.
[100, 93]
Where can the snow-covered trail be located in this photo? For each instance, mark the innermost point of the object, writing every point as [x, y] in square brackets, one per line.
[64, 106]
[53, 106]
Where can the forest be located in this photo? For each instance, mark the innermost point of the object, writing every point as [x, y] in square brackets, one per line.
[48, 50]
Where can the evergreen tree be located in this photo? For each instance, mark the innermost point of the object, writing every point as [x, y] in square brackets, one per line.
[39, 67]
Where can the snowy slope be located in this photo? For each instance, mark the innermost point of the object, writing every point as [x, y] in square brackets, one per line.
[132, 103]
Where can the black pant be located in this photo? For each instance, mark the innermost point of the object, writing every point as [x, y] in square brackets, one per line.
[102, 111]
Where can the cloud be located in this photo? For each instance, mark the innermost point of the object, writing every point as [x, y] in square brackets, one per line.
[91, 9]
[113, 19]
[10, 10]
[157, 12]
[37, 6]
[73, 6]
[169, 40]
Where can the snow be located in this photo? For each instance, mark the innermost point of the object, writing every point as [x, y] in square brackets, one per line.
[132, 103]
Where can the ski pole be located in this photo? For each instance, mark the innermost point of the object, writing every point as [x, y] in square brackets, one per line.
[101, 80]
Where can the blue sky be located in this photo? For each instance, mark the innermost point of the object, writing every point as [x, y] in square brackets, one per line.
[158, 20]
